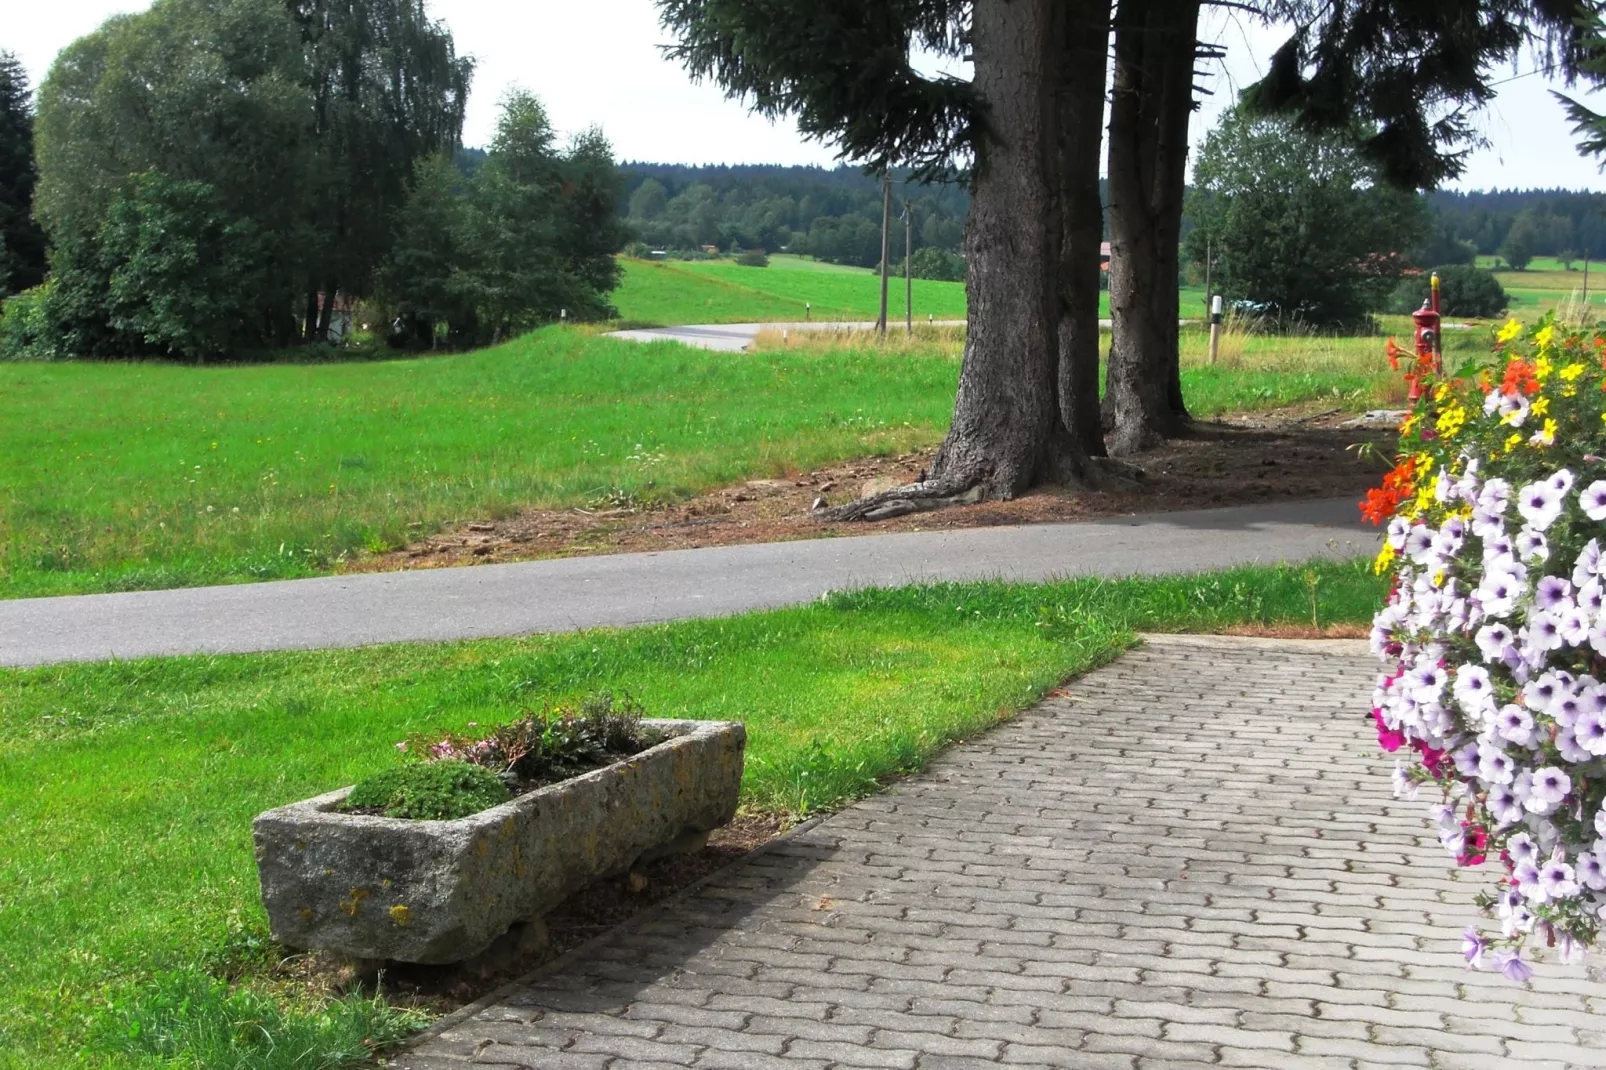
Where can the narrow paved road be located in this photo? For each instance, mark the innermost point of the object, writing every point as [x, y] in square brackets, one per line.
[736, 337]
[625, 589]
[1193, 860]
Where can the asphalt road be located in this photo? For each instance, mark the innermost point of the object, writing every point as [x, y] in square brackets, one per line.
[736, 337]
[626, 589]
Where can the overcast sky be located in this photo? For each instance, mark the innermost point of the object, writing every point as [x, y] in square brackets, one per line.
[598, 61]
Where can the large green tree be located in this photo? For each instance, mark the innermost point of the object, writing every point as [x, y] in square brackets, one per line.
[1299, 224]
[388, 89]
[198, 93]
[22, 241]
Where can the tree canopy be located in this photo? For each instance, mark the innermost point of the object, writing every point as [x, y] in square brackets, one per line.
[1298, 225]
[22, 242]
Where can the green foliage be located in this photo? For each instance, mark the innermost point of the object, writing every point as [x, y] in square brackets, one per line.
[429, 791]
[271, 141]
[753, 258]
[938, 264]
[529, 235]
[189, 1020]
[22, 242]
[1518, 248]
[1464, 290]
[25, 332]
[185, 277]
[1299, 224]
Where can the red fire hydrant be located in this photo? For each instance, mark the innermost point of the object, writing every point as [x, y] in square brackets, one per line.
[1429, 350]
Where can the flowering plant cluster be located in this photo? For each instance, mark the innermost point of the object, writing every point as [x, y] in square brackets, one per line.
[546, 746]
[1494, 633]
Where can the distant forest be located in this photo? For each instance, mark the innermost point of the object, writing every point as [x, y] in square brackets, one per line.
[830, 213]
[1556, 222]
[834, 214]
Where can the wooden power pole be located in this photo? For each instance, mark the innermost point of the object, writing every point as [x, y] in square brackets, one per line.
[886, 228]
[908, 274]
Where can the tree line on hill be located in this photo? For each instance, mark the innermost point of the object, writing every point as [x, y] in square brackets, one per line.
[831, 214]
[221, 176]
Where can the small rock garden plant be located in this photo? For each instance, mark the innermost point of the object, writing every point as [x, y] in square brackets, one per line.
[1494, 635]
[448, 775]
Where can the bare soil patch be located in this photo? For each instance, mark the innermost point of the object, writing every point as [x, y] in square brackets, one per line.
[1240, 459]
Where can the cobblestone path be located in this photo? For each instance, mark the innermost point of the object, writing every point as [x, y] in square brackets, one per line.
[1193, 859]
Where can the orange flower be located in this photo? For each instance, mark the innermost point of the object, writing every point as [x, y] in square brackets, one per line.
[1520, 376]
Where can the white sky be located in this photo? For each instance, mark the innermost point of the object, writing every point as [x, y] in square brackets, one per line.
[598, 61]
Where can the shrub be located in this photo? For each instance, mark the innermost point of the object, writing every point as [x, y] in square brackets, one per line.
[1495, 630]
[753, 258]
[25, 330]
[938, 264]
[430, 791]
[1464, 290]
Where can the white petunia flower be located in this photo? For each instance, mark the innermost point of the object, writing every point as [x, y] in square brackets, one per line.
[1539, 505]
[1561, 482]
[1514, 725]
[1590, 732]
[1504, 805]
[1593, 500]
[1495, 766]
[1532, 546]
[1493, 641]
[1550, 787]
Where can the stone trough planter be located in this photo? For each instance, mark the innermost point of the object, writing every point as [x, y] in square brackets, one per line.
[444, 891]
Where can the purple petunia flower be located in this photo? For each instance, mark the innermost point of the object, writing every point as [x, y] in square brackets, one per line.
[1504, 805]
[1472, 947]
[1513, 968]
[1561, 482]
[1553, 591]
[1550, 787]
[1514, 725]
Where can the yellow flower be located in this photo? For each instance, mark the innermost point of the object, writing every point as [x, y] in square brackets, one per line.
[1513, 441]
[1385, 558]
[1541, 406]
[1572, 371]
[1546, 436]
[1543, 367]
[1410, 422]
[1451, 420]
[1545, 336]
[1425, 499]
[1512, 328]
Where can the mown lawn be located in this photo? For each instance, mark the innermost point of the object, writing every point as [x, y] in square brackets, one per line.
[122, 476]
[665, 293]
[127, 789]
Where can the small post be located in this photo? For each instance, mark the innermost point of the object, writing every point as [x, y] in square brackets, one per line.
[808, 310]
[1586, 278]
[1215, 327]
[563, 316]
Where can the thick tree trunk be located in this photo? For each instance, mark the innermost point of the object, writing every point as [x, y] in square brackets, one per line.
[1154, 47]
[309, 324]
[1006, 432]
[325, 312]
[1085, 30]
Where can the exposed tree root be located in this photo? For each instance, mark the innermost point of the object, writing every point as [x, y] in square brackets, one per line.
[1085, 473]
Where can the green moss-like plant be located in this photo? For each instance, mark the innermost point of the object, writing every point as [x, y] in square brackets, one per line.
[429, 791]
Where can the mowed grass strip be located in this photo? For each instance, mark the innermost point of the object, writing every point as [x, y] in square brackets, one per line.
[127, 789]
[131, 476]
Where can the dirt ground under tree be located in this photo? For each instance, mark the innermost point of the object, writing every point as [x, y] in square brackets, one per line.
[1240, 459]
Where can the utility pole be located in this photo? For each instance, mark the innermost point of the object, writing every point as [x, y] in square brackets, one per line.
[908, 274]
[886, 228]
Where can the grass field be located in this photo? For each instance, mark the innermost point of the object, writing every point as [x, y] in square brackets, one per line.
[120, 476]
[666, 293]
[1545, 284]
[127, 789]
[140, 476]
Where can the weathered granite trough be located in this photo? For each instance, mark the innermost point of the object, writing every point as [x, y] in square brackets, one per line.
[444, 891]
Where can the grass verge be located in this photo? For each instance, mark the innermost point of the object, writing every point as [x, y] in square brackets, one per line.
[127, 789]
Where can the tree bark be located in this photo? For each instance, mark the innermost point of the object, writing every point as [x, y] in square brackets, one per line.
[1085, 38]
[1006, 432]
[1152, 100]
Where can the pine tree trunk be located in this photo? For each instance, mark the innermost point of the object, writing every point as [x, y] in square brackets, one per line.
[1085, 30]
[1154, 47]
[1006, 432]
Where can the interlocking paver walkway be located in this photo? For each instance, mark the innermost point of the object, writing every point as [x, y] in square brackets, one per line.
[1193, 859]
